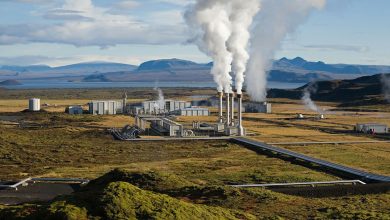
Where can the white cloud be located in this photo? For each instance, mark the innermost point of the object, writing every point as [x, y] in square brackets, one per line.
[127, 4]
[84, 24]
[361, 49]
[177, 2]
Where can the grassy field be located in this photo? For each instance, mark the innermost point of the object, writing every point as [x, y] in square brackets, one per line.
[60, 145]
[80, 147]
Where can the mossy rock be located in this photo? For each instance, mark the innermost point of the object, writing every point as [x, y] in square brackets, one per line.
[122, 200]
[155, 181]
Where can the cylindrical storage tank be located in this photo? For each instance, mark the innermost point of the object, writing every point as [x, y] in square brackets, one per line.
[34, 105]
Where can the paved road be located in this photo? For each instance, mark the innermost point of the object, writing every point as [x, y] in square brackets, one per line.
[361, 175]
[37, 192]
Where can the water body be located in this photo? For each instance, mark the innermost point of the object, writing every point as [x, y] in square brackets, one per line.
[36, 84]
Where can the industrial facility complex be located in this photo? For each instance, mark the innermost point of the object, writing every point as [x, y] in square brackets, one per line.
[155, 118]
[158, 118]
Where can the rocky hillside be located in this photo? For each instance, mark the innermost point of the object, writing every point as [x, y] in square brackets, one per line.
[361, 91]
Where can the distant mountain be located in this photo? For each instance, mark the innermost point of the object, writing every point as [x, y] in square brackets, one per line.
[364, 90]
[300, 65]
[96, 78]
[297, 70]
[79, 69]
[169, 64]
[294, 77]
[101, 67]
[10, 82]
[26, 68]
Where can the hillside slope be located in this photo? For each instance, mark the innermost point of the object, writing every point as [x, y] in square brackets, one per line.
[364, 90]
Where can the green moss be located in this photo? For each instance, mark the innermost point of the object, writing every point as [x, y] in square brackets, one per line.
[62, 211]
[340, 213]
[156, 181]
[124, 201]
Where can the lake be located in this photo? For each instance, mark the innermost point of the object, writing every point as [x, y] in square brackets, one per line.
[47, 84]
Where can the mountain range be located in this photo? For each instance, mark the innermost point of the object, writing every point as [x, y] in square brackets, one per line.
[297, 70]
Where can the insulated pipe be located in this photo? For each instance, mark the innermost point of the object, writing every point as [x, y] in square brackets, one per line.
[220, 111]
[227, 109]
[239, 126]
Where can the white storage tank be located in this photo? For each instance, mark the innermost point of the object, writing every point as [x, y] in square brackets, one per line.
[34, 105]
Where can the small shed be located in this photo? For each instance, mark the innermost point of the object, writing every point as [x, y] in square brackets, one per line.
[74, 110]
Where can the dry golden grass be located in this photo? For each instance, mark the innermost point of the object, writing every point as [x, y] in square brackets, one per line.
[280, 126]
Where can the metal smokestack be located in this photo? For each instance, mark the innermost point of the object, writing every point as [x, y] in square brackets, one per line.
[232, 109]
[241, 131]
[227, 109]
[220, 107]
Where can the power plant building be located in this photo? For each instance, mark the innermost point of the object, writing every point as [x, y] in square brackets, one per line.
[258, 107]
[34, 105]
[107, 107]
[167, 127]
[156, 107]
[193, 112]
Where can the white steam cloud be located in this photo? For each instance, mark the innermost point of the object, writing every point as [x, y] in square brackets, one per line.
[160, 104]
[211, 21]
[307, 101]
[223, 33]
[277, 19]
[241, 18]
[385, 80]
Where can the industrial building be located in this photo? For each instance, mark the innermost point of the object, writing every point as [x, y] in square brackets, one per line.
[34, 105]
[74, 110]
[157, 107]
[258, 107]
[167, 127]
[160, 125]
[106, 107]
[372, 128]
[229, 121]
[192, 112]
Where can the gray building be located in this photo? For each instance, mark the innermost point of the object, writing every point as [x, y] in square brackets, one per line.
[193, 112]
[258, 107]
[167, 127]
[106, 107]
[74, 110]
[156, 107]
[372, 128]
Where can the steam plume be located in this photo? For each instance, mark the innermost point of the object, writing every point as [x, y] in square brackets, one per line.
[241, 18]
[210, 19]
[385, 80]
[277, 20]
[307, 101]
[161, 100]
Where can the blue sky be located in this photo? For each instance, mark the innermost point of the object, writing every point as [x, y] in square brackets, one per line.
[59, 32]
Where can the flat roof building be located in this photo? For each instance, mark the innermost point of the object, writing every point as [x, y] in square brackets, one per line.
[258, 107]
[372, 128]
[105, 107]
[193, 112]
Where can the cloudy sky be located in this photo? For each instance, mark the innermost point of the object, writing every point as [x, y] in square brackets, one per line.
[59, 32]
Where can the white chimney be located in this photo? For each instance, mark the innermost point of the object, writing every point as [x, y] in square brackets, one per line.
[220, 107]
[241, 131]
[227, 109]
[232, 110]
